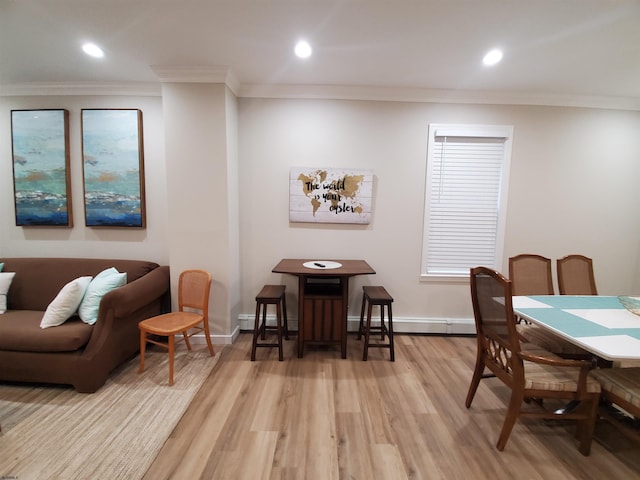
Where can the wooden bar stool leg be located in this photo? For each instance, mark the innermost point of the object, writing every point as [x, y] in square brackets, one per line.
[263, 327]
[284, 315]
[390, 334]
[279, 328]
[361, 325]
[367, 332]
[256, 329]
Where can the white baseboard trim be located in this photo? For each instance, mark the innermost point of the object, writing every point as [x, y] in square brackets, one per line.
[415, 325]
[418, 325]
[217, 339]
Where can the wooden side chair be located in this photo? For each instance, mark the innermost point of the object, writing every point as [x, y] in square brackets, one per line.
[530, 274]
[575, 275]
[529, 372]
[192, 317]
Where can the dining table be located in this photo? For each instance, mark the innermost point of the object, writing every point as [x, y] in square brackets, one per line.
[323, 298]
[599, 324]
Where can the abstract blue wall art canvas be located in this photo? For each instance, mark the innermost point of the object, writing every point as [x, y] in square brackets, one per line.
[113, 166]
[41, 181]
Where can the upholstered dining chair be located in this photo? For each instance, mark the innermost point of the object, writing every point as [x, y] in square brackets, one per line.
[530, 274]
[575, 275]
[192, 317]
[529, 371]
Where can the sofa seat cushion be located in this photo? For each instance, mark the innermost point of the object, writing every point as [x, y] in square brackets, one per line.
[20, 331]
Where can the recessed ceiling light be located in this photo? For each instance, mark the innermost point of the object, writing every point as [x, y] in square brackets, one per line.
[303, 49]
[93, 50]
[493, 57]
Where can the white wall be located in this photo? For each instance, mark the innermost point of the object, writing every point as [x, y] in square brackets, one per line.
[234, 192]
[573, 189]
[202, 191]
[80, 241]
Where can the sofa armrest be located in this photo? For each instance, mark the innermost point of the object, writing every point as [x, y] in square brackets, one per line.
[131, 297]
[121, 310]
[116, 337]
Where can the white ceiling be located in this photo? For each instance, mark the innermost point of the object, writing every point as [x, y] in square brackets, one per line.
[562, 48]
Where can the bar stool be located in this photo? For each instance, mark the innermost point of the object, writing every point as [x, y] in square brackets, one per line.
[270, 295]
[376, 296]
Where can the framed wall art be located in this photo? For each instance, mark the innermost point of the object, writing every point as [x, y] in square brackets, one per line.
[113, 168]
[330, 195]
[41, 180]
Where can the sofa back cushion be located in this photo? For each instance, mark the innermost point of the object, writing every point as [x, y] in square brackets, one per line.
[38, 280]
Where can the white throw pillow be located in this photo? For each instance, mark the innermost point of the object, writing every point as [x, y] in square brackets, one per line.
[66, 302]
[5, 282]
[103, 283]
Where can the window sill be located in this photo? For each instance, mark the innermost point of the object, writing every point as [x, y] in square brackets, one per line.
[444, 278]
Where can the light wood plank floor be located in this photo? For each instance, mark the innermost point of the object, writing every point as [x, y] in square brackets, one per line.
[322, 417]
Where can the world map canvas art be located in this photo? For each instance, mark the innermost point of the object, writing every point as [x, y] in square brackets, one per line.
[330, 195]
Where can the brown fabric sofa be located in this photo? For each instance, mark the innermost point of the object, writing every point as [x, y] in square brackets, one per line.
[75, 353]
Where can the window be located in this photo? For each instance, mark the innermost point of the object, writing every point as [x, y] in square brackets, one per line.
[466, 198]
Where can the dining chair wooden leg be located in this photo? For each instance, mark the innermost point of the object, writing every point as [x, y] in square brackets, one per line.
[207, 337]
[143, 345]
[478, 372]
[587, 426]
[186, 340]
[172, 348]
[515, 403]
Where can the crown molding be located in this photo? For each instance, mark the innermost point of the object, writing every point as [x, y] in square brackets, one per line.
[225, 76]
[198, 74]
[66, 88]
[423, 95]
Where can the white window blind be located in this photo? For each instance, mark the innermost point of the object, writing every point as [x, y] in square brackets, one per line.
[465, 205]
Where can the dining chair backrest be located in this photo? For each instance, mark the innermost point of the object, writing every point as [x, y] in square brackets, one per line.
[193, 291]
[530, 274]
[575, 275]
[495, 323]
